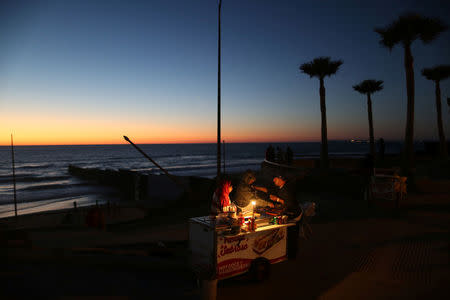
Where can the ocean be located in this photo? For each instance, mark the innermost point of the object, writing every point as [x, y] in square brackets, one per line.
[43, 182]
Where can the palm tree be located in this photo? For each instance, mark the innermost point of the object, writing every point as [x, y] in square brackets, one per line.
[321, 67]
[405, 30]
[437, 74]
[369, 87]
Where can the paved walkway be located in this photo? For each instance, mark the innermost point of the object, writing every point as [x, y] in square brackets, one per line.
[403, 257]
[87, 237]
[377, 258]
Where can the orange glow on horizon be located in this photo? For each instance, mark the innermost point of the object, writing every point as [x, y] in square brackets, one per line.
[18, 141]
[38, 138]
[31, 129]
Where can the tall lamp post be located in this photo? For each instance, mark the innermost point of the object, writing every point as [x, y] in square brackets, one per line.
[14, 176]
[218, 96]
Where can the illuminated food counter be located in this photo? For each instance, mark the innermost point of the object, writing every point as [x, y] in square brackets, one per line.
[220, 252]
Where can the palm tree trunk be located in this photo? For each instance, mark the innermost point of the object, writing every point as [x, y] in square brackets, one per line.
[372, 142]
[442, 141]
[324, 145]
[409, 134]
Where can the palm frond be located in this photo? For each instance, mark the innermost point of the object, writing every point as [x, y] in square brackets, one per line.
[431, 29]
[408, 28]
[388, 39]
[437, 73]
[333, 67]
[321, 67]
[369, 86]
[308, 68]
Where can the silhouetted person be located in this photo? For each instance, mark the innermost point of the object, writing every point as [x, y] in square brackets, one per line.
[289, 156]
[280, 155]
[382, 148]
[285, 194]
[270, 153]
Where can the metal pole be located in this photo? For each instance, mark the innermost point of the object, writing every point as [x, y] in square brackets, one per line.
[174, 179]
[218, 96]
[223, 142]
[14, 176]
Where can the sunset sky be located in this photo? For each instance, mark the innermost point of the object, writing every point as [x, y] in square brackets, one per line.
[89, 72]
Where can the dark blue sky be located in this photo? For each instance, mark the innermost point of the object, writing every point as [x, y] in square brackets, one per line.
[149, 68]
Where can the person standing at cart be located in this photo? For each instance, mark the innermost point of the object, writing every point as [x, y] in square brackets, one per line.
[221, 198]
[246, 192]
[285, 194]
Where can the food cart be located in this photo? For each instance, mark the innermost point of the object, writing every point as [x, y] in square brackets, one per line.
[222, 252]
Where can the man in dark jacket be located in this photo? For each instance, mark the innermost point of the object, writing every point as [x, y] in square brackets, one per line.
[247, 191]
[285, 194]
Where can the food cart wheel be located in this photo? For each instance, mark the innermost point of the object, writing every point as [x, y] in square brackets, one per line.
[260, 269]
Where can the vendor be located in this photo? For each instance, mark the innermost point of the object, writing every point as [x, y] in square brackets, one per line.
[285, 193]
[221, 198]
[247, 192]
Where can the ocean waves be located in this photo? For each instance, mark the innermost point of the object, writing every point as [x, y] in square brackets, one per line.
[47, 192]
[31, 178]
[34, 166]
[42, 178]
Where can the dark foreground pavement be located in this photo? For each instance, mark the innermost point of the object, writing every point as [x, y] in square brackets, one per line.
[401, 257]
[379, 257]
[97, 275]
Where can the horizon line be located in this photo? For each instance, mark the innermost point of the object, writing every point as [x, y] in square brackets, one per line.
[198, 143]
